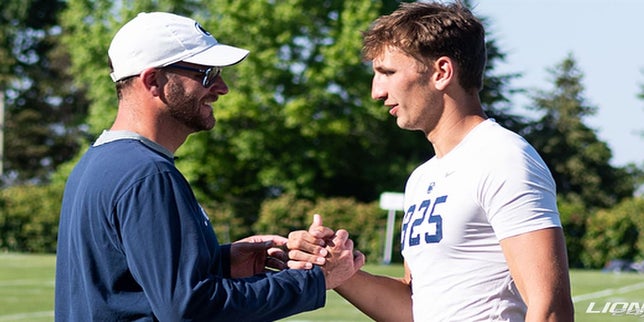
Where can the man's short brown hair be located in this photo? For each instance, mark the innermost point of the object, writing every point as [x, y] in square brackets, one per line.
[427, 31]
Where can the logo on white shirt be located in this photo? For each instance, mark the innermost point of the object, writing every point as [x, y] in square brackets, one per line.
[430, 188]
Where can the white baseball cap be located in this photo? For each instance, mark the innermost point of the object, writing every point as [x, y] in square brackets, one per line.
[158, 39]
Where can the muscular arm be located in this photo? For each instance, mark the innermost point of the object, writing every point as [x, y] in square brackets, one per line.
[382, 298]
[539, 266]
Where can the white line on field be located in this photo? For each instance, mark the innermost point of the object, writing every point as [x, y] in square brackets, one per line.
[26, 316]
[607, 292]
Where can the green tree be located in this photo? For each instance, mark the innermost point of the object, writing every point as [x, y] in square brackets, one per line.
[497, 88]
[364, 221]
[28, 226]
[298, 119]
[640, 179]
[43, 110]
[616, 233]
[578, 160]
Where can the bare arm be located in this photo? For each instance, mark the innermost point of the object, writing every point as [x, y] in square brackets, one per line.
[538, 263]
[382, 298]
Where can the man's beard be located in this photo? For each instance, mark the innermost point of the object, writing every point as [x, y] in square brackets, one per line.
[186, 108]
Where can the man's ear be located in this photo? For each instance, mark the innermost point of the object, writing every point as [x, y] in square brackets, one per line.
[443, 72]
[153, 80]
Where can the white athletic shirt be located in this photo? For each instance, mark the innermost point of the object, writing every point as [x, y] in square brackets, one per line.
[491, 186]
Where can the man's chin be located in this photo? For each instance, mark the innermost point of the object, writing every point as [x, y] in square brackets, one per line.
[401, 123]
[208, 122]
[208, 127]
[202, 126]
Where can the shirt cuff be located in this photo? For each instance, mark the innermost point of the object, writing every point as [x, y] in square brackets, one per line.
[225, 260]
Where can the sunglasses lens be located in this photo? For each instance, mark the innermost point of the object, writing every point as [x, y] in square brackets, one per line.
[211, 74]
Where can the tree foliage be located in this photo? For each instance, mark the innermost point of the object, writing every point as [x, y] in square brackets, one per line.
[616, 233]
[574, 217]
[578, 160]
[497, 88]
[28, 226]
[43, 110]
[297, 134]
[298, 119]
[365, 222]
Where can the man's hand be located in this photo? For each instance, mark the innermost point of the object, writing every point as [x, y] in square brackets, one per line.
[321, 246]
[309, 247]
[343, 261]
[257, 254]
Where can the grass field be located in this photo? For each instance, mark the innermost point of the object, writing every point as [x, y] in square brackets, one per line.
[27, 287]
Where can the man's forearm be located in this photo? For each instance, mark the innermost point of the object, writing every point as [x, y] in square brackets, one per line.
[558, 310]
[382, 298]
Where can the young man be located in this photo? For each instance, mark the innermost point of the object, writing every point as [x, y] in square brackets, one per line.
[134, 243]
[481, 235]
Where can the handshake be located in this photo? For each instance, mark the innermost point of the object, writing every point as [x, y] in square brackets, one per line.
[331, 250]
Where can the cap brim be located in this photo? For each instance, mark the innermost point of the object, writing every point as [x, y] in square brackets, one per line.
[218, 55]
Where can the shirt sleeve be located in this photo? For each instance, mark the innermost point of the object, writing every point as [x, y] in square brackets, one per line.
[225, 260]
[174, 256]
[519, 193]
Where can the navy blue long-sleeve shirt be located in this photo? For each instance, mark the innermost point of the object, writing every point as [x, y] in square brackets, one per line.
[134, 244]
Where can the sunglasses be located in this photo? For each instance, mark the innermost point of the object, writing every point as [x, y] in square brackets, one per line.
[209, 74]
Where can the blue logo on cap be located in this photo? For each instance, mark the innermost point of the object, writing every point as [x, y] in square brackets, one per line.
[202, 30]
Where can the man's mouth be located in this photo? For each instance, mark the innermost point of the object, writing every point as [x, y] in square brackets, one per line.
[393, 110]
[209, 101]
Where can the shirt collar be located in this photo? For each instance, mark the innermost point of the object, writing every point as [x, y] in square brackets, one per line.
[111, 136]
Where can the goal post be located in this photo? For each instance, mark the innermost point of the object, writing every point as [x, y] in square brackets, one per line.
[392, 202]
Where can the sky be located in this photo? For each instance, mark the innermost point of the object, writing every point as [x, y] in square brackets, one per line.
[604, 37]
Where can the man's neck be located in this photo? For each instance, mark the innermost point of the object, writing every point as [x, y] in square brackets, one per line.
[161, 130]
[460, 116]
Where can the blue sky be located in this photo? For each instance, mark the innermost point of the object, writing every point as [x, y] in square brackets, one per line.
[605, 37]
